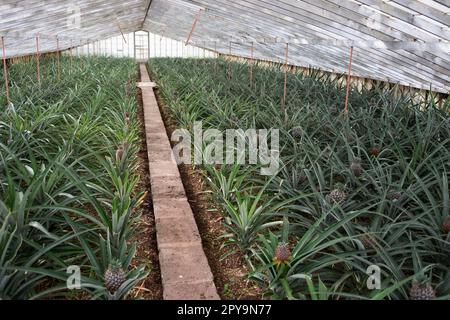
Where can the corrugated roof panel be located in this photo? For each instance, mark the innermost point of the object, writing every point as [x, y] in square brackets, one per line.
[401, 41]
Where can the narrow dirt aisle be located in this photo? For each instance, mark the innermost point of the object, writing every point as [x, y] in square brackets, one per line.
[185, 271]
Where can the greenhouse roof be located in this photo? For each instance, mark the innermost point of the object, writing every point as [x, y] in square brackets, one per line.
[401, 41]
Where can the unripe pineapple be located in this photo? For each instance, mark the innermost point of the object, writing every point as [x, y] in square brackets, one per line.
[337, 196]
[356, 167]
[368, 240]
[393, 195]
[282, 254]
[301, 177]
[446, 225]
[375, 151]
[421, 290]
[339, 178]
[297, 133]
[127, 119]
[114, 277]
[234, 118]
[334, 110]
[119, 154]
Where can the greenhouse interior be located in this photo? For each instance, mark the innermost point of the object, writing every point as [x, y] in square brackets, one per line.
[225, 150]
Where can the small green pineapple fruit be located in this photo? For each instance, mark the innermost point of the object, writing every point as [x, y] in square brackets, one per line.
[393, 195]
[119, 154]
[297, 133]
[446, 225]
[114, 276]
[422, 289]
[282, 254]
[375, 151]
[337, 195]
[356, 167]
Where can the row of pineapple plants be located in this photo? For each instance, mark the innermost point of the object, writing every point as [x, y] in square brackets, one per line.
[68, 198]
[354, 192]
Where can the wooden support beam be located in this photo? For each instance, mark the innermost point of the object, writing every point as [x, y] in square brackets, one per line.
[58, 62]
[121, 32]
[348, 80]
[197, 17]
[285, 72]
[71, 54]
[38, 61]
[251, 64]
[5, 71]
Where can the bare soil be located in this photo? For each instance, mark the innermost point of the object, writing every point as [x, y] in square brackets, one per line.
[145, 235]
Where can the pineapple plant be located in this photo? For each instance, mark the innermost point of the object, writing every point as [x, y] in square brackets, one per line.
[331, 139]
[114, 276]
[356, 167]
[422, 289]
[282, 254]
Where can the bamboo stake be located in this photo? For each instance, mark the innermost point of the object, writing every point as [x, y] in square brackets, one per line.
[58, 73]
[204, 51]
[348, 80]
[5, 71]
[71, 54]
[193, 26]
[251, 65]
[286, 57]
[121, 31]
[229, 75]
[215, 53]
[38, 61]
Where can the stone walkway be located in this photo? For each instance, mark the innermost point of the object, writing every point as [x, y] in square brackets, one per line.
[185, 271]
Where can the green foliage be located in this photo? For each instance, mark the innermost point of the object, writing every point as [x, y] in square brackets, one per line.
[64, 200]
[392, 203]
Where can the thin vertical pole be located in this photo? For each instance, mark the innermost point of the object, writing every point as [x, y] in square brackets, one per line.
[5, 70]
[134, 45]
[251, 64]
[229, 63]
[38, 62]
[348, 80]
[71, 54]
[128, 45]
[148, 44]
[215, 59]
[286, 57]
[204, 51]
[154, 45]
[118, 46]
[58, 74]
